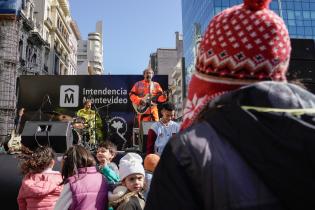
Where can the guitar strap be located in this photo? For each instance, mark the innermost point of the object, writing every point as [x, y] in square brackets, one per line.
[151, 87]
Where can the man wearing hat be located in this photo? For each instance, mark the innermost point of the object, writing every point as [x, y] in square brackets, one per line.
[248, 136]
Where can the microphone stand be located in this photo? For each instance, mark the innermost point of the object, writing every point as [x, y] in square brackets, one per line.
[41, 107]
[97, 114]
[44, 100]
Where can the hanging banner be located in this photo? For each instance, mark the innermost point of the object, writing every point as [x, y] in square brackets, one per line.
[58, 98]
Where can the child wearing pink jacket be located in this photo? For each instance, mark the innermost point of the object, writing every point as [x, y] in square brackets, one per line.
[40, 187]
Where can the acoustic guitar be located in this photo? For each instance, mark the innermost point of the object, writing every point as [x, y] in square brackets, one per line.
[14, 143]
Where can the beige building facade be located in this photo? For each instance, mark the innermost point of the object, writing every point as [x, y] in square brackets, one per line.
[90, 53]
[37, 39]
[168, 61]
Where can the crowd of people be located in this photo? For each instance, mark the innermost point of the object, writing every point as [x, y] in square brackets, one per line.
[85, 181]
[245, 142]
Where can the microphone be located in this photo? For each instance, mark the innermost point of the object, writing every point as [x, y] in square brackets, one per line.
[48, 99]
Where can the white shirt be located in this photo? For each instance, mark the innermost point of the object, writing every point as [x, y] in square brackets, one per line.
[163, 134]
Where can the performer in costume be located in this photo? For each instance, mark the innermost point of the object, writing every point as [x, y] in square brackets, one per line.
[146, 93]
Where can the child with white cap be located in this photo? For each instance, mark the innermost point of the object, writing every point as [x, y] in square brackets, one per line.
[129, 194]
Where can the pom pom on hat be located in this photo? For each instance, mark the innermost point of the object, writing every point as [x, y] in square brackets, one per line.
[129, 164]
[257, 4]
[243, 44]
[151, 161]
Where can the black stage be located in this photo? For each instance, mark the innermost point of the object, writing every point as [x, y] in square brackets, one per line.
[10, 177]
[10, 180]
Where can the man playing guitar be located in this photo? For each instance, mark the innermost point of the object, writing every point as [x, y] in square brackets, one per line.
[144, 95]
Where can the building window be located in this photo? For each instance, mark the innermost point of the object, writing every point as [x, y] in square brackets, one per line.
[291, 14]
[33, 61]
[21, 49]
[306, 14]
[291, 22]
[28, 53]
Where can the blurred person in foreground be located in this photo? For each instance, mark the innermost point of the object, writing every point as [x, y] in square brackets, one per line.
[246, 142]
[150, 162]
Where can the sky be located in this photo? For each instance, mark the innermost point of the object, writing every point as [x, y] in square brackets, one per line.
[132, 29]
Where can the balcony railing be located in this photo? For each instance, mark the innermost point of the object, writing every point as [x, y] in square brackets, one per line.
[64, 6]
[48, 23]
[28, 23]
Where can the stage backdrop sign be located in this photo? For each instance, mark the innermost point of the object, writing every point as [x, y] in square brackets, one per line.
[10, 6]
[40, 95]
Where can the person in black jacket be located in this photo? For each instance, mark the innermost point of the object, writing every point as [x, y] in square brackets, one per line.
[245, 143]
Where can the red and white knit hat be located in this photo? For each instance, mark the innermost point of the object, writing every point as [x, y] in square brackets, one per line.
[243, 44]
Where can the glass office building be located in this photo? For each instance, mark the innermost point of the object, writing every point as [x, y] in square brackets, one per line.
[299, 16]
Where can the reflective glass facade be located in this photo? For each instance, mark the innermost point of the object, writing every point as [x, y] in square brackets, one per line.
[299, 16]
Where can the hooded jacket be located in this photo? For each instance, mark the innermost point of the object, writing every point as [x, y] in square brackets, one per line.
[251, 149]
[40, 191]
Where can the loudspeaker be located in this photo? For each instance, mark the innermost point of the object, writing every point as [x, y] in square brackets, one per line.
[57, 135]
[144, 129]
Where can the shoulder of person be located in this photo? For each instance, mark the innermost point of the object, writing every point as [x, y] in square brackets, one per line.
[156, 125]
[119, 196]
[80, 110]
[156, 84]
[132, 201]
[113, 166]
[138, 84]
[191, 141]
[174, 123]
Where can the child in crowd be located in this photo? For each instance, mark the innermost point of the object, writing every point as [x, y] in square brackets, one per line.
[161, 132]
[40, 187]
[150, 162]
[84, 187]
[128, 195]
[106, 151]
